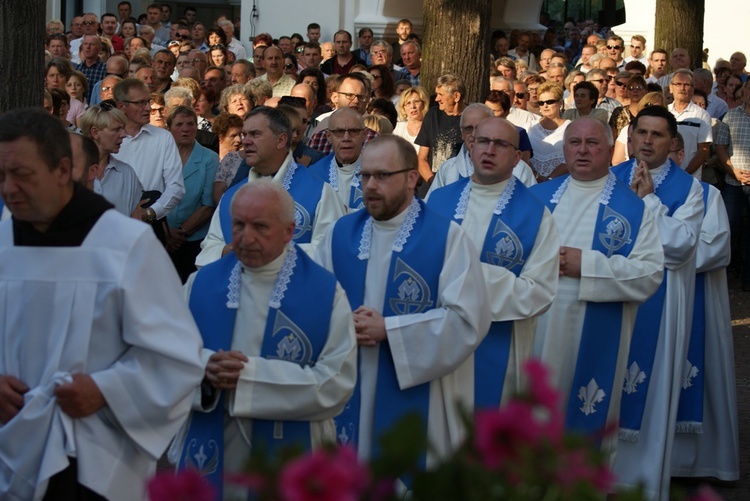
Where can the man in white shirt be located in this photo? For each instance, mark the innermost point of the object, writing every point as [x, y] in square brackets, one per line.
[151, 151]
[693, 122]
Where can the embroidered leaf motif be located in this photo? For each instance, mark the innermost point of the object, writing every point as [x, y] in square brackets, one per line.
[633, 378]
[590, 395]
[688, 373]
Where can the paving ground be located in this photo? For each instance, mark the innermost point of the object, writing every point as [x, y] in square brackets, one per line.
[740, 490]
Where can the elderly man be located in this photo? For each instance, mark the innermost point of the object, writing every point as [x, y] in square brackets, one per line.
[93, 68]
[600, 78]
[90, 24]
[545, 58]
[693, 122]
[116, 347]
[411, 57]
[659, 346]
[703, 80]
[517, 116]
[267, 137]
[234, 46]
[344, 59]
[117, 69]
[346, 129]
[273, 62]
[420, 306]
[737, 63]
[519, 253]
[439, 137]
[278, 367]
[585, 335]
[679, 59]
[381, 52]
[461, 166]
[242, 72]
[151, 151]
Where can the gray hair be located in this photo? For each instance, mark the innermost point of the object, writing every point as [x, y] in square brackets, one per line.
[286, 203]
[182, 93]
[233, 90]
[476, 106]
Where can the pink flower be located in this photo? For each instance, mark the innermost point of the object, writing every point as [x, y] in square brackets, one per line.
[324, 476]
[500, 434]
[541, 391]
[705, 493]
[186, 485]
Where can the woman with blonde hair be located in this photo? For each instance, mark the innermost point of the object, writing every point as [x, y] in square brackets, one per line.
[546, 136]
[411, 108]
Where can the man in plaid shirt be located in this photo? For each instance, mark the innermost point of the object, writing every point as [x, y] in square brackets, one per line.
[91, 66]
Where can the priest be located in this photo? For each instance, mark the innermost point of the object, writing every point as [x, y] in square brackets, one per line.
[100, 353]
[519, 252]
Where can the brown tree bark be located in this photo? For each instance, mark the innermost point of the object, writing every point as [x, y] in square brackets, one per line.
[22, 32]
[679, 23]
[456, 40]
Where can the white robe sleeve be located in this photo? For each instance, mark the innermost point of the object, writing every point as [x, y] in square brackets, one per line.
[679, 232]
[149, 389]
[714, 244]
[620, 278]
[276, 389]
[531, 293]
[430, 345]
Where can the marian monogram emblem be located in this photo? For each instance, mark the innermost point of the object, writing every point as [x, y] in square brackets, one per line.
[413, 292]
[357, 200]
[633, 378]
[617, 231]
[292, 344]
[508, 249]
[302, 222]
[590, 395]
[197, 460]
[689, 372]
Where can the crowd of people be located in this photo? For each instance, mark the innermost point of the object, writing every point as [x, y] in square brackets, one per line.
[581, 214]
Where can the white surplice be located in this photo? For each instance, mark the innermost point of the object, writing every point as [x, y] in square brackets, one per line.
[328, 210]
[648, 460]
[430, 347]
[111, 308]
[630, 280]
[277, 389]
[515, 298]
[715, 452]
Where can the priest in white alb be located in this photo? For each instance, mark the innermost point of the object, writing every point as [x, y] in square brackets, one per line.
[518, 245]
[280, 350]
[420, 306]
[660, 341]
[611, 260]
[100, 355]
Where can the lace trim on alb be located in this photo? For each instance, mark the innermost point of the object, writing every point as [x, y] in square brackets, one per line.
[285, 275]
[233, 289]
[333, 175]
[289, 175]
[502, 202]
[608, 188]
[560, 190]
[401, 237]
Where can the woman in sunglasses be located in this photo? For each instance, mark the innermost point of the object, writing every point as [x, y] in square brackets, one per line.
[547, 136]
[635, 88]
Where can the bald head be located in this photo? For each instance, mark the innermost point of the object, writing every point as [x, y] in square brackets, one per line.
[494, 152]
[308, 94]
[346, 134]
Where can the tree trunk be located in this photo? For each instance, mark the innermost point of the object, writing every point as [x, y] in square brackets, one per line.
[456, 40]
[679, 23]
[22, 32]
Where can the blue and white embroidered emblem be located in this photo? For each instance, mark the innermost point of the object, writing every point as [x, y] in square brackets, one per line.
[292, 344]
[617, 231]
[302, 222]
[508, 248]
[590, 395]
[413, 292]
[688, 373]
[633, 378]
[197, 460]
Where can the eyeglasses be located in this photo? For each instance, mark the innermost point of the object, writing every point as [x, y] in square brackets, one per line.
[380, 176]
[599, 80]
[521, 95]
[341, 132]
[635, 88]
[485, 142]
[140, 104]
[618, 47]
[182, 36]
[88, 23]
[108, 88]
[348, 95]
[549, 102]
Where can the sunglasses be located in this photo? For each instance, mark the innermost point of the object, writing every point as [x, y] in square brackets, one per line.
[88, 23]
[549, 102]
[182, 36]
[621, 84]
[618, 47]
[521, 95]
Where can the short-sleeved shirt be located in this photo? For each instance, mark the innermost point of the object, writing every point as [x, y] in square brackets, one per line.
[694, 123]
[441, 133]
[736, 136]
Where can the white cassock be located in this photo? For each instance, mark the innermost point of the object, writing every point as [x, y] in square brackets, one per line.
[112, 309]
[519, 299]
[461, 166]
[628, 280]
[327, 211]
[715, 452]
[277, 389]
[432, 346]
[648, 460]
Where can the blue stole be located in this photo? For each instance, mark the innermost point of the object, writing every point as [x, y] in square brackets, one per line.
[296, 331]
[306, 190]
[617, 224]
[412, 288]
[672, 190]
[510, 238]
[690, 407]
[327, 169]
